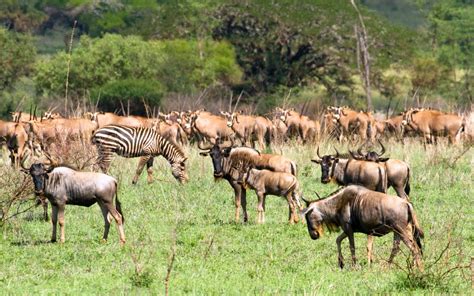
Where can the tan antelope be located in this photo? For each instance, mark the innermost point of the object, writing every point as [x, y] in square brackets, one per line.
[308, 130]
[431, 123]
[350, 120]
[209, 127]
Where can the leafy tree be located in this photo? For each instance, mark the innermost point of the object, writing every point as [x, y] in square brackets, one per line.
[17, 55]
[179, 65]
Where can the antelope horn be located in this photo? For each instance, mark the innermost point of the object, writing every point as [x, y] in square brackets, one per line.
[31, 113]
[317, 151]
[238, 100]
[383, 149]
[18, 117]
[34, 112]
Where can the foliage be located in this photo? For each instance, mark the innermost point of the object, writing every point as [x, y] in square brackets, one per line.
[17, 55]
[129, 92]
[178, 65]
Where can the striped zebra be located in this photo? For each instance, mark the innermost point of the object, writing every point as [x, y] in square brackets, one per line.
[141, 142]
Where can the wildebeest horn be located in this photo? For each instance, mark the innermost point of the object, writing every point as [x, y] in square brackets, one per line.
[352, 153]
[307, 202]
[318, 152]
[359, 151]
[337, 152]
[317, 194]
[22, 164]
[206, 147]
[383, 148]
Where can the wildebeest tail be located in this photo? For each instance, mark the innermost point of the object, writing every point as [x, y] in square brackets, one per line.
[407, 185]
[118, 206]
[418, 233]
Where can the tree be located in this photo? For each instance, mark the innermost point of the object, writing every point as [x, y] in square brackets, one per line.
[17, 54]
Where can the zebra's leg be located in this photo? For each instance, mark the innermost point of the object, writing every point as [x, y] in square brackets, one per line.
[104, 160]
[141, 165]
[149, 169]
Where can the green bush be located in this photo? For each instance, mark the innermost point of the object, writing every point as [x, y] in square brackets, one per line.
[179, 65]
[132, 93]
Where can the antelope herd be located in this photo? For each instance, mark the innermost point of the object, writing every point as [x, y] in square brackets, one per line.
[230, 139]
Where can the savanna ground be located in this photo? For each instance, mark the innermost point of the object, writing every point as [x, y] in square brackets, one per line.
[215, 255]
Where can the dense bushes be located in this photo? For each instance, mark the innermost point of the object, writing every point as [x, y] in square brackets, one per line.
[129, 92]
[131, 69]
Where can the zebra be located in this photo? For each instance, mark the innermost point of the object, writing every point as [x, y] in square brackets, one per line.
[141, 142]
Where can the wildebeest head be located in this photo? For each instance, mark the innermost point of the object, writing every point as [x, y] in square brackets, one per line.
[314, 220]
[39, 172]
[217, 152]
[327, 163]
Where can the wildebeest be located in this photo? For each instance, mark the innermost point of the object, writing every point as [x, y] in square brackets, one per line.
[357, 209]
[225, 157]
[398, 171]
[65, 186]
[266, 182]
[345, 171]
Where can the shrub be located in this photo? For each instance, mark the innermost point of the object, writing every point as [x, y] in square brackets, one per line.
[134, 93]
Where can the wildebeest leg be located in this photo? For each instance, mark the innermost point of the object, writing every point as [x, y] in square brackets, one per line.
[243, 200]
[407, 238]
[61, 221]
[141, 164]
[105, 212]
[395, 247]
[340, 259]
[149, 169]
[400, 190]
[292, 216]
[118, 219]
[352, 247]
[237, 197]
[54, 221]
[370, 244]
[260, 210]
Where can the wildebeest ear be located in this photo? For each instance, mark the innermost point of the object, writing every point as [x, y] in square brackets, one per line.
[204, 153]
[384, 159]
[316, 160]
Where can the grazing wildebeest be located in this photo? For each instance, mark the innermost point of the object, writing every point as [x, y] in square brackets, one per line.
[398, 171]
[65, 186]
[357, 209]
[266, 182]
[225, 157]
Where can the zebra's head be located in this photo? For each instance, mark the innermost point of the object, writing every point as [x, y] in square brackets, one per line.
[178, 169]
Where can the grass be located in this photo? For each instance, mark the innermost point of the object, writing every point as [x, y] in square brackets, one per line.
[214, 255]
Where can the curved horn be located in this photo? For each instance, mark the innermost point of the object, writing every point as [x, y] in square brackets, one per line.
[383, 149]
[337, 152]
[318, 152]
[358, 157]
[359, 151]
[206, 147]
[22, 164]
[307, 202]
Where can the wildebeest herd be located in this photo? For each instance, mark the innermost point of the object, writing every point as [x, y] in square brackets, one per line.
[231, 139]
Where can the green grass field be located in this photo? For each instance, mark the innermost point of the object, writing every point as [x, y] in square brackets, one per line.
[214, 255]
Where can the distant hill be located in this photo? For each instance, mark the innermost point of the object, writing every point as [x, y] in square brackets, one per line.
[402, 12]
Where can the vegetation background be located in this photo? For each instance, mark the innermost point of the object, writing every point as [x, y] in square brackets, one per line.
[125, 53]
